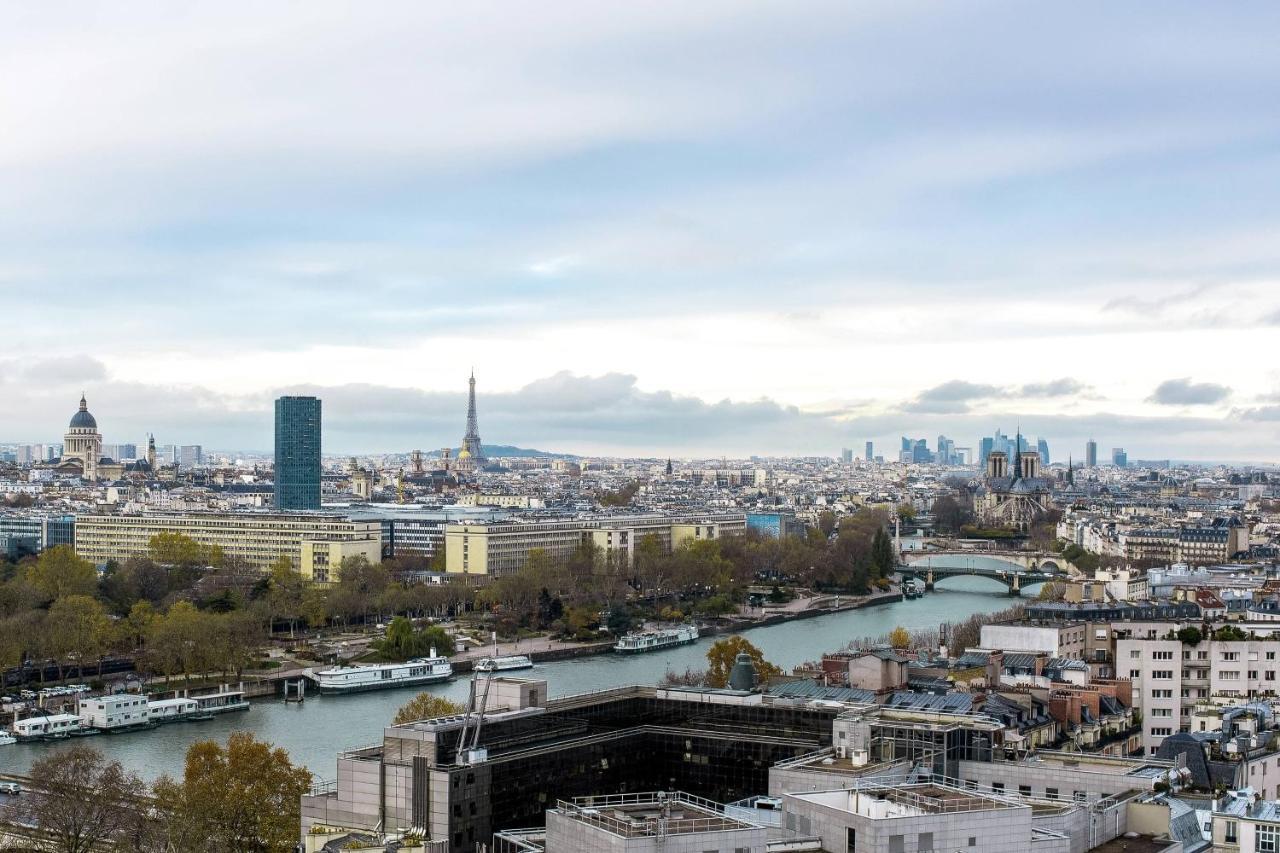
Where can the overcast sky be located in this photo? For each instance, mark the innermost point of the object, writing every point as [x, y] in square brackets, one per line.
[655, 228]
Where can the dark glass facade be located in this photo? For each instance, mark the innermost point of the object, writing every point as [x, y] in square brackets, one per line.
[297, 453]
[628, 745]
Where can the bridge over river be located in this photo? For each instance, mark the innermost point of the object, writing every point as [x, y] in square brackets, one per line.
[1013, 569]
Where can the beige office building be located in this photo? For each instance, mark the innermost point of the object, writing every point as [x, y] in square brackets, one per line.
[504, 548]
[316, 543]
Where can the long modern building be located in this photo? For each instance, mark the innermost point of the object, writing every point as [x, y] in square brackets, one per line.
[316, 543]
[504, 548]
[297, 458]
[838, 775]
[34, 533]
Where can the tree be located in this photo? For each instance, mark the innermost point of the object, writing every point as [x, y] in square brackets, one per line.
[60, 572]
[244, 796]
[950, 515]
[426, 706]
[85, 802]
[1052, 591]
[827, 523]
[724, 652]
[1190, 635]
[284, 597]
[79, 629]
[174, 549]
[899, 638]
[403, 642]
[882, 557]
[906, 512]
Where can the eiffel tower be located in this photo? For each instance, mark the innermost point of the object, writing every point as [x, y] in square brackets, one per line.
[471, 441]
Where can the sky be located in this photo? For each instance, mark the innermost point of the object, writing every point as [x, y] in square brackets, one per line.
[652, 229]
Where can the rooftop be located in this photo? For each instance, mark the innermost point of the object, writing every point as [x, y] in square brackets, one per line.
[908, 800]
[652, 813]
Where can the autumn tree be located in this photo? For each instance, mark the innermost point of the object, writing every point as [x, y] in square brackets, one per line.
[175, 549]
[426, 706]
[899, 638]
[244, 797]
[59, 572]
[284, 595]
[724, 652]
[85, 802]
[78, 629]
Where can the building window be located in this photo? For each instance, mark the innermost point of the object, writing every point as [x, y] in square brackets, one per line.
[1024, 790]
[1051, 793]
[924, 842]
[1231, 831]
[897, 844]
[1268, 838]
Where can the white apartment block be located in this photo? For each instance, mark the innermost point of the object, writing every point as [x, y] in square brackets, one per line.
[1169, 678]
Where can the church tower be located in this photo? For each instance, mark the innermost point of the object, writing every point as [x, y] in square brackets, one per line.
[151, 453]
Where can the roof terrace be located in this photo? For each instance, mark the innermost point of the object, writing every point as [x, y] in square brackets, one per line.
[650, 814]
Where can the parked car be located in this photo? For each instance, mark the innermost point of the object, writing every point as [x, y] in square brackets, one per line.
[11, 788]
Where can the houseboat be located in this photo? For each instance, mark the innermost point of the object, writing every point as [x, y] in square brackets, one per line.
[172, 710]
[221, 702]
[47, 727]
[503, 663]
[6, 738]
[116, 712]
[651, 641]
[357, 679]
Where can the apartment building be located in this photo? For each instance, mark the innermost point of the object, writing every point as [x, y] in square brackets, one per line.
[475, 548]
[1169, 677]
[316, 543]
[1217, 541]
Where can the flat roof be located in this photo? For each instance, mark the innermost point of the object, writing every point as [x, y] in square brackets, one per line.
[651, 814]
[894, 801]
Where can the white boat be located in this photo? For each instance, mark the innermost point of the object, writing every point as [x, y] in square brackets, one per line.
[384, 676]
[116, 712]
[170, 710]
[47, 727]
[6, 738]
[651, 641]
[219, 703]
[503, 663]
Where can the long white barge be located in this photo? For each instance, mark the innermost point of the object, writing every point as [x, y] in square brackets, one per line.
[384, 676]
[651, 641]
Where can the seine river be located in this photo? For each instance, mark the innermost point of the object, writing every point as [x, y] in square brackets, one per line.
[314, 731]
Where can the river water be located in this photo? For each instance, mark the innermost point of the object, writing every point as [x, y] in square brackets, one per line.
[314, 731]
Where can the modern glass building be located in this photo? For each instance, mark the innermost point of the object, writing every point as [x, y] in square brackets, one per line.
[297, 453]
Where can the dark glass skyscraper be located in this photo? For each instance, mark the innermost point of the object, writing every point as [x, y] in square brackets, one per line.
[297, 453]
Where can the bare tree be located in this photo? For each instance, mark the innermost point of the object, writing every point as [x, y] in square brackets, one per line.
[82, 802]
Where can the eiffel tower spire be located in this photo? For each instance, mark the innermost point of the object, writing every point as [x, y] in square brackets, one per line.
[471, 441]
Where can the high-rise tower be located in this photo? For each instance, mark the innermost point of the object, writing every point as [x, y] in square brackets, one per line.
[297, 453]
[471, 448]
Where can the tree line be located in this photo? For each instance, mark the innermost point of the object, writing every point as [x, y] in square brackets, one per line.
[244, 795]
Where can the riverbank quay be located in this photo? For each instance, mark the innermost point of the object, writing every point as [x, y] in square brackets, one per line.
[546, 649]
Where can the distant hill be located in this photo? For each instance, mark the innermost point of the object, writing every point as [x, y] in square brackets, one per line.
[498, 451]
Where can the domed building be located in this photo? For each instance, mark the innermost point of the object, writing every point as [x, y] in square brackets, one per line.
[82, 444]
